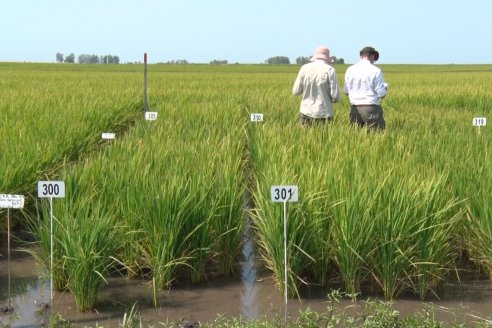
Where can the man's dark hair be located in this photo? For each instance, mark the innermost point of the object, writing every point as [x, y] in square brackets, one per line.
[370, 51]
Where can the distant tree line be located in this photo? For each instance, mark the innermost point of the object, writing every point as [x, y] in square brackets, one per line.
[278, 60]
[87, 59]
[60, 58]
[218, 62]
[177, 62]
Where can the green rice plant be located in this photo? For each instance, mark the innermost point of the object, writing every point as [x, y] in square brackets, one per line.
[164, 234]
[473, 180]
[88, 237]
[48, 256]
[353, 239]
[227, 201]
[414, 236]
[89, 255]
[435, 238]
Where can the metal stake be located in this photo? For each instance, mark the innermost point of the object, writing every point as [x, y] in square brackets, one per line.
[51, 251]
[8, 254]
[285, 257]
[146, 106]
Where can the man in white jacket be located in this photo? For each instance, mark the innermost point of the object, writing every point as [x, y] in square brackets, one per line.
[365, 86]
[317, 82]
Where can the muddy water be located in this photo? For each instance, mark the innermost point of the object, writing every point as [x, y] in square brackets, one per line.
[250, 298]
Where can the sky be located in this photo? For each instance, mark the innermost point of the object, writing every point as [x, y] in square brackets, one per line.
[247, 31]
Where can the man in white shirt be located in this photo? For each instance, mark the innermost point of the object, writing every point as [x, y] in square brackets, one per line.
[317, 82]
[365, 86]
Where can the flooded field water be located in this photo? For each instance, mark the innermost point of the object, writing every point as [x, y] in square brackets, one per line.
[251, 296]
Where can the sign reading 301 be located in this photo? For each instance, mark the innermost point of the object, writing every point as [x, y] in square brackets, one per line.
[52, 189]
[284, 194]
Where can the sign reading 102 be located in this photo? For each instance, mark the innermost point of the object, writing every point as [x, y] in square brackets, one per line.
[53, 189]
[284, 194]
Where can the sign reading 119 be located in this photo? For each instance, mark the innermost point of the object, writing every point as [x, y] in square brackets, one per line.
[284, 193]
[479, 121]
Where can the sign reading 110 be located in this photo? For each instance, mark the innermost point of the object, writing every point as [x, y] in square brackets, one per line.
[256, 117]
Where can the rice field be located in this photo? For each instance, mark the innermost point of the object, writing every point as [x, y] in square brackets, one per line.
[393, 211]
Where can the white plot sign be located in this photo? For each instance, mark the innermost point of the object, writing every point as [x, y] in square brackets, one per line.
[108, 135]
[284, 194]
[256, 117]
[151, 116]
[479, 121]
[11, 201]
[51, 189]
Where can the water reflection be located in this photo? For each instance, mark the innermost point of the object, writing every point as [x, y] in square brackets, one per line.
[249, 297]
[28, 294]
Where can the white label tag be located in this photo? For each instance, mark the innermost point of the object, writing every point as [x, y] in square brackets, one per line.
[284, 194]
[256, 117]
[108, 135]
[54, 189]
[479, 121]
[11, 201]
[151, 116]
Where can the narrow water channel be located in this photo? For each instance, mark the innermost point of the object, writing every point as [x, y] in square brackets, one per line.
[249, 294]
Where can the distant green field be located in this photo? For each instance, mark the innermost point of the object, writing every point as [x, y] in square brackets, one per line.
[395, 210]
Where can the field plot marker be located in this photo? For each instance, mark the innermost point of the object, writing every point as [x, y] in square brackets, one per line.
[10, 201]
[146, 105]
[51, 189]
[284, 194]
[256, 117]
[108, 136]
[478, 122]
[149, 116]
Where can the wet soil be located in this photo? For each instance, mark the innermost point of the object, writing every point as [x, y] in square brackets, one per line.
[257, 298]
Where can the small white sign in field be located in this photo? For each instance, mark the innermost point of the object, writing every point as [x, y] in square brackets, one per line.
[11, 201]
[51, 189]
[256, 117]
[284, 194]
[479, 121]
[108, 135]
[151, 116]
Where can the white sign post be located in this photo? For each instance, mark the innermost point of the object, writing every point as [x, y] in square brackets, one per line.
[478, 122]
[284, 194]
[51, 189]
[10, 201]
[256, 117]
[107, 136]
[150, 116]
